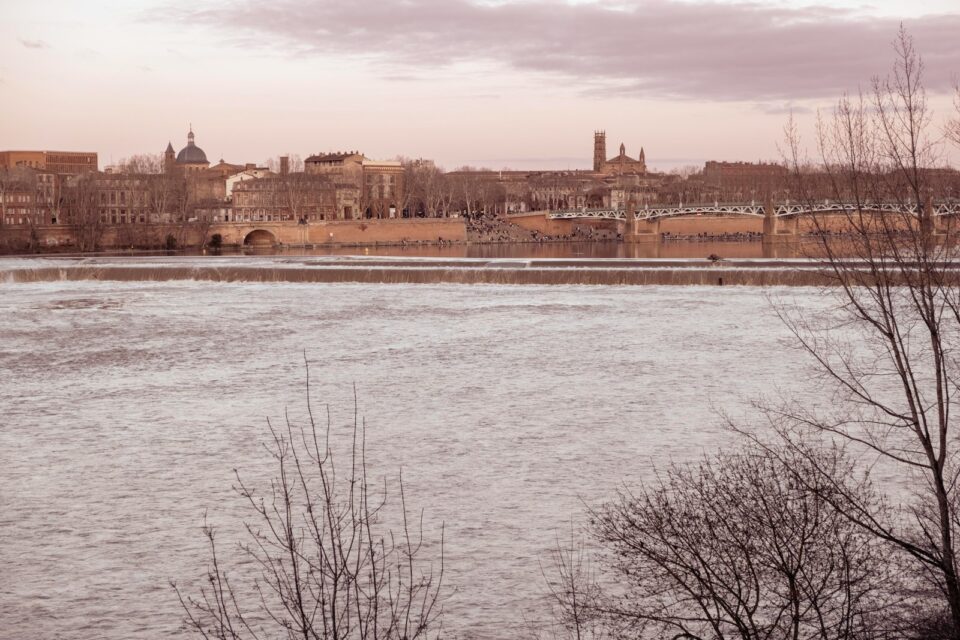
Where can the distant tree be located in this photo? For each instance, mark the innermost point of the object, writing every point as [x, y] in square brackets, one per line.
[143, 163]
[687, 171]
[492, 196]
[467, 186]
[294, 161]
[425, 184]
[301, 194]
[82, 196]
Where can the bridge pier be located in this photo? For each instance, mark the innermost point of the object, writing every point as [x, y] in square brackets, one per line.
[945, 225]
[936, 226]
[641, 230]
[778, 230]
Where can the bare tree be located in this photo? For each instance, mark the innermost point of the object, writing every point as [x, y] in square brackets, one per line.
[143, 163]
[466, 188]
[82, 197]
[573, 592]
[301, 194]
[425, 188]
[953, 126]
[736, 548]
[328, 568]
[294, 163]
[888, 356]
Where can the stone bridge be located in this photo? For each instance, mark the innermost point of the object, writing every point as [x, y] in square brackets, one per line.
[387, 231]
[261, 233]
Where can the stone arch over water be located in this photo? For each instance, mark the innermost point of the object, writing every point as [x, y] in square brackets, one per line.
[260, 237]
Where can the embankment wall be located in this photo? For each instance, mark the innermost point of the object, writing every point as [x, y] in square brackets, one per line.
[688, 226]
[339, 232]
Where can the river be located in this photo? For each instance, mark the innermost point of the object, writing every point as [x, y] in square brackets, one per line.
[675, 248]
[126, 406]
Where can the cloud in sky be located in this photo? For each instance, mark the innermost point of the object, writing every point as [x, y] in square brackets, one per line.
[697, 49]
[34, 44]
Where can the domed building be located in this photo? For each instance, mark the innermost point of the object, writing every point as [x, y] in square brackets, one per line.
[190, 158]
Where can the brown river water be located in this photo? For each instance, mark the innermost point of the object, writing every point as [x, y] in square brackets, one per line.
[669, 249]
[126, 406]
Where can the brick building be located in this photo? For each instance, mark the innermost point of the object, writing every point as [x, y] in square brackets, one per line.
[295, 196]
[59, 162]
[382, 183]
[141, 198]
[619, 165]
[738, 178]
[383, 189]
[29, 196]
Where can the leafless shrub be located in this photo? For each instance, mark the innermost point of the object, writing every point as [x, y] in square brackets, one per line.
[328, 568]
[735, 548]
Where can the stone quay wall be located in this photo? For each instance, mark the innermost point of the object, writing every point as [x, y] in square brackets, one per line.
[539, 222]
[687, 226]
[338, 232]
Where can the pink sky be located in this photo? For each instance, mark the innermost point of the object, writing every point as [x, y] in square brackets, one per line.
[507, 83]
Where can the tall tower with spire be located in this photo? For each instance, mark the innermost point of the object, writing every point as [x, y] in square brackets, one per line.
[599, 149]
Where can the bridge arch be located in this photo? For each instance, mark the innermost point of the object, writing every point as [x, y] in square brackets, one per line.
[260, 238]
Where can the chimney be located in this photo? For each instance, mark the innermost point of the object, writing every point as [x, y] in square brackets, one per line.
[284, 165]
[249, 166]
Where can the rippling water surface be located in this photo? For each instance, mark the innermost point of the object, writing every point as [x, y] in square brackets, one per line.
[127, 405]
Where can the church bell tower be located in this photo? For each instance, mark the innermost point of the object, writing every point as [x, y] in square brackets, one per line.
[169, 159]
[599, 149]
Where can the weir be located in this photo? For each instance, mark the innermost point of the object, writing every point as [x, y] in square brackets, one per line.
[424, 271]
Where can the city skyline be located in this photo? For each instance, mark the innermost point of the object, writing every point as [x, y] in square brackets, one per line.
[504, 85]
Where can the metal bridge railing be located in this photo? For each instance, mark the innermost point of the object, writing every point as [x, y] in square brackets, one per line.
[751, 210]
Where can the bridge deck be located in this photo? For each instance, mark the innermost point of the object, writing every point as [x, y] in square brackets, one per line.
[750, 210]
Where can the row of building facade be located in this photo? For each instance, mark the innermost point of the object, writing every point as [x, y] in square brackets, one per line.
[50, 187]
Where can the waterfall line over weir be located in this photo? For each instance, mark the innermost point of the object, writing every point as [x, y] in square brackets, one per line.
[423, 271]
